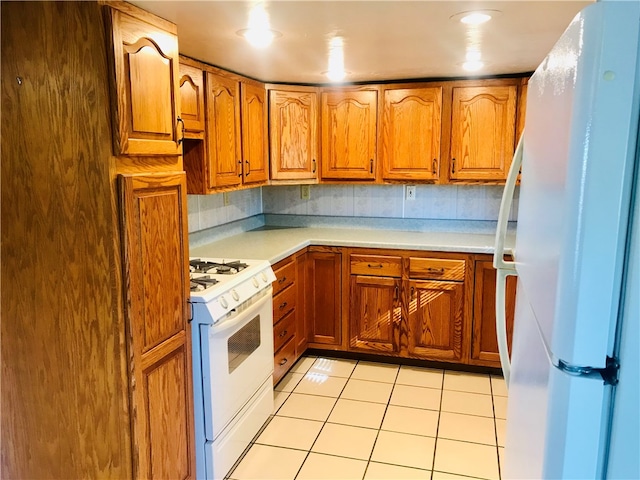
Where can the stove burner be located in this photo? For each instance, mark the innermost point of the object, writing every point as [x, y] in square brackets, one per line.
[225, 268]
[201, 283]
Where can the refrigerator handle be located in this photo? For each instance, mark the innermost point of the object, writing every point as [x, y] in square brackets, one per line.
[505, 207]
[503, 268]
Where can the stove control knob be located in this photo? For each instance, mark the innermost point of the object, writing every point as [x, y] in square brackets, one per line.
[235, 295]
[264, 277]
[223, 302]
[254, 280]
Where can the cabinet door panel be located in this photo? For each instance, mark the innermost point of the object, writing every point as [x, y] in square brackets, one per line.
[192, 99]
[484, 346]
[349, 135]
[324, 286]
[483, 130]
[254, 134]
[375, 314]
[435, 320]
[293, 126]
[154, 225]
[223, 131]
[146, 101]
[411, 134]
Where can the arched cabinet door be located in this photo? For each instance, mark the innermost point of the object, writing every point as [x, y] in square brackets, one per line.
[146, 97]
[192, 100]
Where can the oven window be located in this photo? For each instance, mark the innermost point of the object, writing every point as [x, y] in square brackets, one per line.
[243, 343]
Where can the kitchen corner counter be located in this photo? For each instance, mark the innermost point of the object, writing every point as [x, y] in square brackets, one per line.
[275, 243]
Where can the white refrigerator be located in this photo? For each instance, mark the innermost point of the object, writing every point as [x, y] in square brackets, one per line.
[574, 403]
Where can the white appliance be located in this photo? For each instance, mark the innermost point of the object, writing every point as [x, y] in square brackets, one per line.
[232, 358]
[572, 413]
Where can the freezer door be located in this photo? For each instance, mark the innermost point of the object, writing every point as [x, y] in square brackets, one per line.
[579, 147]
[556, 423]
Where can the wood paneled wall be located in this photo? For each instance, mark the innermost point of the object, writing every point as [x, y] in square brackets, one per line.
[64, 408]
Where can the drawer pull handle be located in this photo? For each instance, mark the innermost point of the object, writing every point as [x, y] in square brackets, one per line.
[379, 265]
[413, 290]
[283, 279]
[283, 305]
[395, 293]
[439, 271]
[283, 361]
[282, 334]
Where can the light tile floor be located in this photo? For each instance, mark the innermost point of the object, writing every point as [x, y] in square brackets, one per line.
[348, 419]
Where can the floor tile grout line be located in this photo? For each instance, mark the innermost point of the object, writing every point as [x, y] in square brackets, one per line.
[495, 429]
[435, 443]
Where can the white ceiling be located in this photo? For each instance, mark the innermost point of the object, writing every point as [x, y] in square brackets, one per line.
[384, 40]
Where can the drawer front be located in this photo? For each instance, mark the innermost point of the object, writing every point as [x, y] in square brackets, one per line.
[376, 265]
[283, 360]
[285, 276]
[284, 330]
[283, 303]
[436, 268]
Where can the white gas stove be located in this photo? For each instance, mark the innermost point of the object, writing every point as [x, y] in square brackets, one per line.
[224, 285]
[232, 340]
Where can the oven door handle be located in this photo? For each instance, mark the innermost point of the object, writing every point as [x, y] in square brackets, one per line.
[241, 317]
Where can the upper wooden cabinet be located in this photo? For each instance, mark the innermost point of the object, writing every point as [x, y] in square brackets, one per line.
[482, 132]
[410, 133]
[293, 131]
[146, 98]
[522, 107]
[349, 122]
[255, 157]
[192, 100]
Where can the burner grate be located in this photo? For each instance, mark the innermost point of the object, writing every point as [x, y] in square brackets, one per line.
[225, 268]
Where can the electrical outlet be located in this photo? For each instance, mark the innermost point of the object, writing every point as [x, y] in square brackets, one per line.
[305, 192]
[225, 199]
[410, 192]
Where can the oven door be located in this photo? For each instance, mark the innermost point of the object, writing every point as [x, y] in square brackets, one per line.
[237, 357]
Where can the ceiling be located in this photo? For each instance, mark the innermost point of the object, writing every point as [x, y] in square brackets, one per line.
[383, 40]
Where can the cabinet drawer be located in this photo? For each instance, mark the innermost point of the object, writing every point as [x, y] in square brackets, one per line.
[436, 268]
[283, 360]
[284, 330]
[285, 276]
[283, 303]
[379, 265]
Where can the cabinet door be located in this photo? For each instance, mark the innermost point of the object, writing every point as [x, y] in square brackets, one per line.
[255, 168]
[411, 127]
[435, 320]
[192, 100]
[375, 314]
[223, 131]
[484, 345]
[349, 134]
[293, 131]
[154, 226]
[482, 132]
[522, 107]
[146, 99]
[302, 322]
[324, 286]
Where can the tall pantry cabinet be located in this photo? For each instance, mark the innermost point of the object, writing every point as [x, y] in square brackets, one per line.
[96, 353]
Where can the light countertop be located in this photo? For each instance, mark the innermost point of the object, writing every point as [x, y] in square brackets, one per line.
[275, 243]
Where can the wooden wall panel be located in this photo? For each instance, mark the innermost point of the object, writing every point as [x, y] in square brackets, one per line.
[64, 413]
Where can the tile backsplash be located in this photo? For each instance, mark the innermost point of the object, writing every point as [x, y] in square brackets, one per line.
[464, 202]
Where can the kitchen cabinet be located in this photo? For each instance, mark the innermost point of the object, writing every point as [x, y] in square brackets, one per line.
[324, 285]
[285, 296]
[522, 107]
[410, 133]
[154, 225]
[349, 126]
[192, 100]
[302, 320]
[484, 344]
[146, 95]
[374, 299]
[293, 132]
[235, 146]
[482, 132]
[255, 155]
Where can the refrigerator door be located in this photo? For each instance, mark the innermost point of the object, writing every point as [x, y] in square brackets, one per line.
[581, 126]
[557, 423]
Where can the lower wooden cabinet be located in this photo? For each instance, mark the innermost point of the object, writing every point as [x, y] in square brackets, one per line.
[484, 344]
[324, 282]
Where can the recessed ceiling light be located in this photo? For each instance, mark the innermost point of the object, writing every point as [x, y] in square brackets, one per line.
[472, 65]
[258, 32]
[475, 17]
